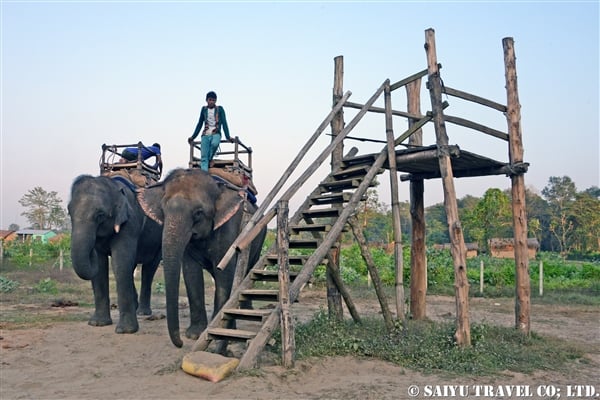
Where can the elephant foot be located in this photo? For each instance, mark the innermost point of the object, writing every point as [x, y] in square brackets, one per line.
[144, 311]
[100, 321]
[193, 332]
[221, 347]
[127, 325]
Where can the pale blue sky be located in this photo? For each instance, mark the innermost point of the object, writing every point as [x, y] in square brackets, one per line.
[77, 74]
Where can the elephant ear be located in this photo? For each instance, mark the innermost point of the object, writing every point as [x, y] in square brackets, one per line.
[227, 205]
[122, 210]
[150, 199]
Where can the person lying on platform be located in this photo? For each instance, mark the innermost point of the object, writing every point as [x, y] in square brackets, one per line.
[213, 118]
[131, 154]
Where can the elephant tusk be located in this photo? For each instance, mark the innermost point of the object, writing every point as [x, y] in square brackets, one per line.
[117, 228]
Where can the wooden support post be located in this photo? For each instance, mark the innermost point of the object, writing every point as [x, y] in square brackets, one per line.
[362, 242]
[457, 241]
[288, 342]
[334, 298]
[481, 276]
[515, 147]
[391, 150]
[541, 278]
[418, 254]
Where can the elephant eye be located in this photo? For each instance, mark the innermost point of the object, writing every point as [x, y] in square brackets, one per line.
[198, 214]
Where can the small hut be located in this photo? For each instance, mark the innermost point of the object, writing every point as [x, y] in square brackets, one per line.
[505, 247]
[472, 248]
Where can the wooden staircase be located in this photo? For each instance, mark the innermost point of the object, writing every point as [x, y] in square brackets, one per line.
[314, 228]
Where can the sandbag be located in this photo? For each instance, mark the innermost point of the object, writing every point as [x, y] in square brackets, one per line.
[210, 366]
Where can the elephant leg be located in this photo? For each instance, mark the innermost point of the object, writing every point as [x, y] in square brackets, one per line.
[193, 276]
[148, 271]
[123, 265]
[101, 316]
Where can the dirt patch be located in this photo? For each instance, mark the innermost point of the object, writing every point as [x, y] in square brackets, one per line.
[73, 360]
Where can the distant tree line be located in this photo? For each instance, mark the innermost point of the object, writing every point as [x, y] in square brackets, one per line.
[563, 219]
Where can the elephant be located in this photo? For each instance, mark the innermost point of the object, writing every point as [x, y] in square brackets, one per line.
[107, 220]
[201, 218]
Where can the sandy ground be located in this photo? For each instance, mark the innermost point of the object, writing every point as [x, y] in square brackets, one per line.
[77, 361]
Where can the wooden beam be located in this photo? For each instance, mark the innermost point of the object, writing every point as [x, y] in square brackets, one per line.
[474, 98]
[410, 79]
[478, 127]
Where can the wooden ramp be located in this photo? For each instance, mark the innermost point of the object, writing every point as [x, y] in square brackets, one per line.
[315, 226]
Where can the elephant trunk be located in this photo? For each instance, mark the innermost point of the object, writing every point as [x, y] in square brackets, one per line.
[83, 253]
[176, 235]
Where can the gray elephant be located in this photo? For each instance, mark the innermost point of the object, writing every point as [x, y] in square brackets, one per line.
[201, 219]
[107, 220]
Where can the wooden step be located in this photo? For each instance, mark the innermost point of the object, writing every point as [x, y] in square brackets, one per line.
[321, 213]
[366, 159]
[272, 259]
[338, 186]
[259, 295]
[310, 228]
[352, 172]
[230, 334]
[246, 315]
[331, 198]
[303, 243]
[270, 276]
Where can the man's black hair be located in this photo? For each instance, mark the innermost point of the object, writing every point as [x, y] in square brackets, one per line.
[211, 95]
[156, 145]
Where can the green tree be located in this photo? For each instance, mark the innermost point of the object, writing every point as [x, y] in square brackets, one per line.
[491, 217]
[560, 194]
[437, 224]
[585, 214]
[43, 209]
[538, 218]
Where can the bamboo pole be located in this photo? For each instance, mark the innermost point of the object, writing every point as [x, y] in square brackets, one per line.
[461, 283]
[418, 257]
[513, 117]
[288, 342]
[398, 258]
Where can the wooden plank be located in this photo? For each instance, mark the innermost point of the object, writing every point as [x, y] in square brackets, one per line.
[310, 228]
[244, 314]
[304, 244]
[231, 334]
[321, 213]
[338, 186]
[270, 276]
[333, 198]
[272, 260]
[259, 295]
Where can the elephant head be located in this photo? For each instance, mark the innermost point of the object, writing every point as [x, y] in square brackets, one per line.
[197, 215]
[97, 209]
